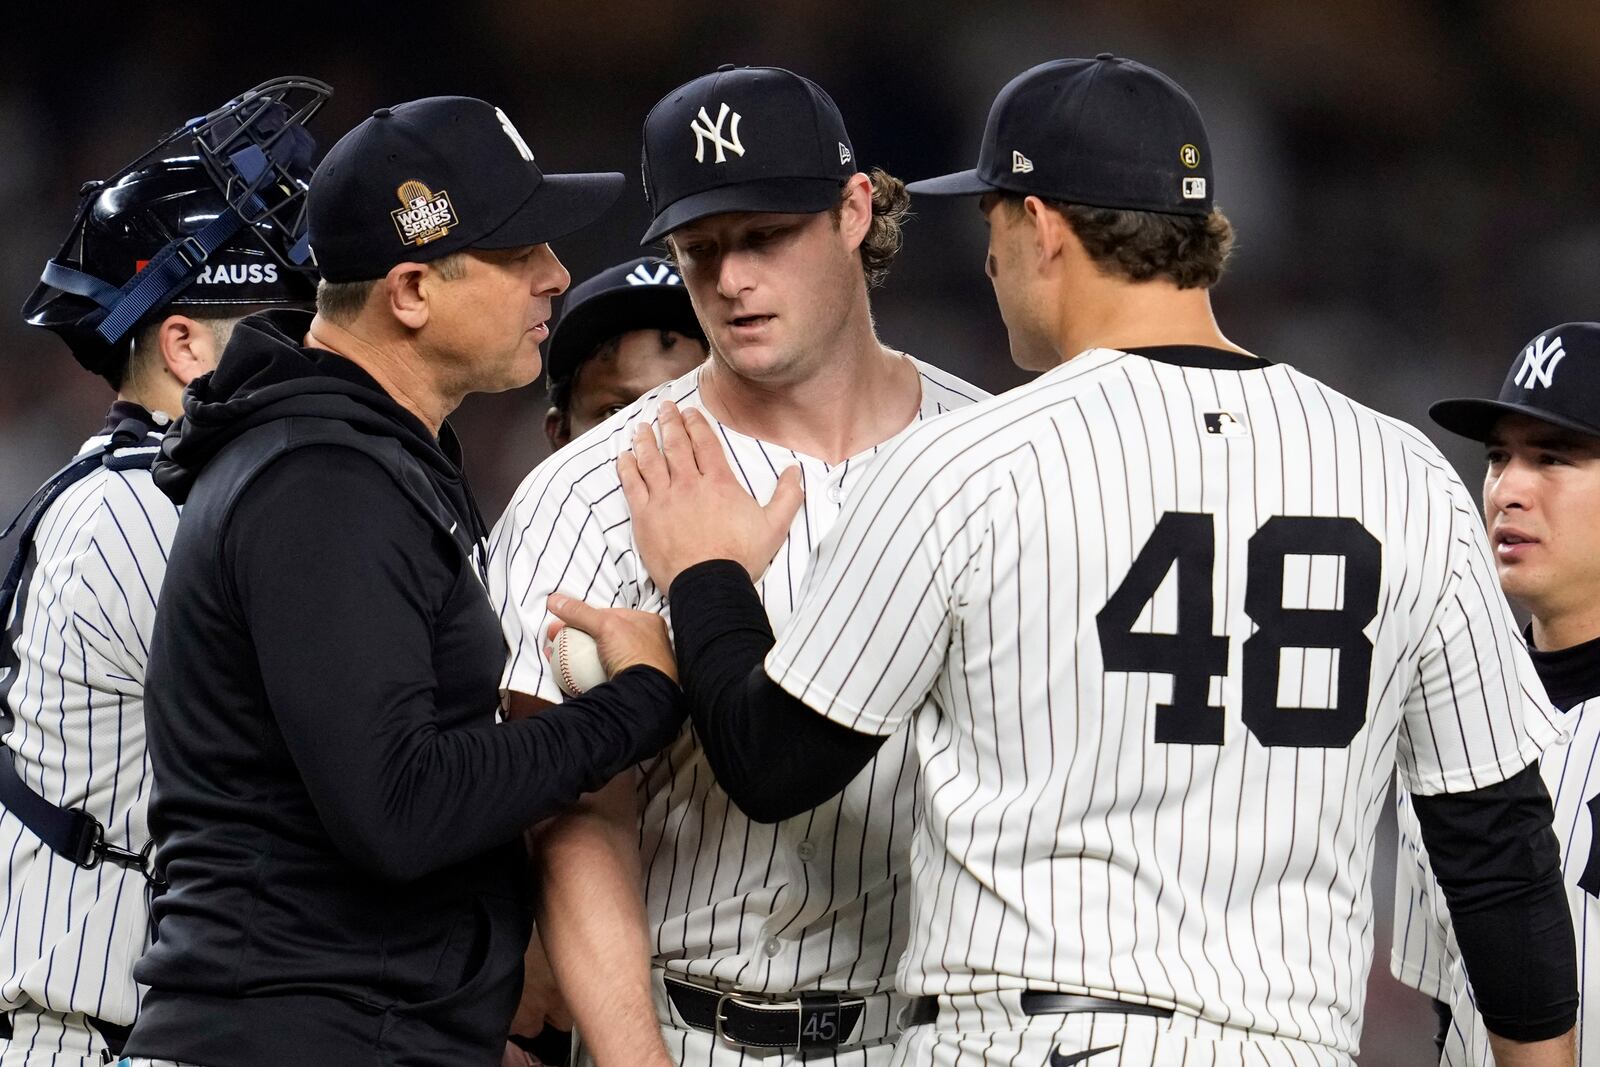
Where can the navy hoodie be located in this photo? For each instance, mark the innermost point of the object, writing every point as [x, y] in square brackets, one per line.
[336, 808]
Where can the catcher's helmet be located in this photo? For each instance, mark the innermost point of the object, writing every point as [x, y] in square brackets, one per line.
[213, 215]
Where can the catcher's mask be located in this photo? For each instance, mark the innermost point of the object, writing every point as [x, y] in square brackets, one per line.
[212, 215]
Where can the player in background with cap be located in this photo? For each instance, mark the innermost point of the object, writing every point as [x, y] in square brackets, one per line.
[79, 601]
[339, 813]
[621, 333]
[1541, 503]
[754, 184]
[1160, 663]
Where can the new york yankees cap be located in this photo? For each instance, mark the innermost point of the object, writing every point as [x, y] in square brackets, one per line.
[641, 294]
[420, 180]
[743, 139]
[1102, 132]
[1554, 378]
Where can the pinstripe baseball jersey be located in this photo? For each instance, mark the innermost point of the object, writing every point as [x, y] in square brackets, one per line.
[75, 648]
[1428, 959]
[1163, 625]
[815, 902]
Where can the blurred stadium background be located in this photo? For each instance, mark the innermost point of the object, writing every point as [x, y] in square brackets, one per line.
[1415, 183]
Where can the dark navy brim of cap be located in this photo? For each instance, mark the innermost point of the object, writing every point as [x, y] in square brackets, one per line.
[797, 195]
[962, 183]
[561, 205]
[583, 328]
[1474, 417]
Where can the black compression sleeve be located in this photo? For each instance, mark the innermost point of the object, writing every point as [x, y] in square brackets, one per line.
[1498, 862]
[773, 755]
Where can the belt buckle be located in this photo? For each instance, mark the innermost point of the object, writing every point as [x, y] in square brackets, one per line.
[722, 1017]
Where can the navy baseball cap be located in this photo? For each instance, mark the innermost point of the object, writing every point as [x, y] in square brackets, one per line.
[420, 180]
[641, 294]
[1103, 132]
[1555, 378]
[743, 139]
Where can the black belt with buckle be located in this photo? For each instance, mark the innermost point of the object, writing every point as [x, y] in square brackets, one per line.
[806, 1020]
[925, 1010]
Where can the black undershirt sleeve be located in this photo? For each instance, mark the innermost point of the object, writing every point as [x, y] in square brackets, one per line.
[771, 753]
[1496, 857]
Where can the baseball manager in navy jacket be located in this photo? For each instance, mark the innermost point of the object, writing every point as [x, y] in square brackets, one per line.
[338, 811]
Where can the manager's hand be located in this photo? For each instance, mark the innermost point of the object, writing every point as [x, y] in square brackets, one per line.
[626, 638]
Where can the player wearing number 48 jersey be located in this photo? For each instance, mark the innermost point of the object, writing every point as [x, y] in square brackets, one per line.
[1541, 502]
[1163, 623]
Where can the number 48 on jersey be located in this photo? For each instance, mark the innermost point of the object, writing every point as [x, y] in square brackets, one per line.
[1193, 655]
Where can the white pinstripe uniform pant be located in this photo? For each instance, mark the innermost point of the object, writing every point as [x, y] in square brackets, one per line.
[992, 1029]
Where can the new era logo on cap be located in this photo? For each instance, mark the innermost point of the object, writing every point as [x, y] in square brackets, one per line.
[1021, 164]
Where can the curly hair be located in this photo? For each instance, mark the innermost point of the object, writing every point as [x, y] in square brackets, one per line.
[891, 206]
[1189, 251]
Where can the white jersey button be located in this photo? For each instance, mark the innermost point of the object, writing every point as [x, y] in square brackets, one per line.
[806, 851]
[836, 493]
[772, 948]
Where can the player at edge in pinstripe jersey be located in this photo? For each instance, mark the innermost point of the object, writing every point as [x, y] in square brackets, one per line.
[1541, 503]
[79, 603]
[1163, 622]
[789, 932]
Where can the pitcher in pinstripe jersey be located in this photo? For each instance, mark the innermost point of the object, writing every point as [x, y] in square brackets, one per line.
[1541, 503]
[89, 569]
[1163, 623]
[741, 918]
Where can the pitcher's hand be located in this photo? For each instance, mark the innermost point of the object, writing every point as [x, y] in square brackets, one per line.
[688, 507]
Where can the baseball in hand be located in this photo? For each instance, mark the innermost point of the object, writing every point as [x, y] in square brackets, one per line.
[575, 659]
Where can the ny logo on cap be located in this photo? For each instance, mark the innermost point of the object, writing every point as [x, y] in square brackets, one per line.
[1539, 362]
[706, 130]
[1020, 164]
[662, 276]
[516, 138]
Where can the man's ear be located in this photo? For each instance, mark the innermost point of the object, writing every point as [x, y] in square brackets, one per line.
[855, 209]
[405, 294]
[188, 347]
[1051, 230]
[557, 430]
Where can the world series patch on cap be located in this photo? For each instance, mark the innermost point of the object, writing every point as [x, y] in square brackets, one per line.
[1102, 132]
[420, 180]
[1554, 378]
[743, 139]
